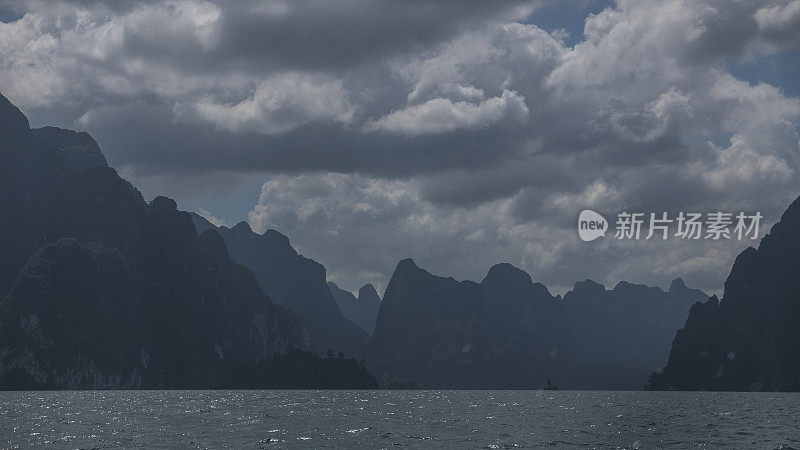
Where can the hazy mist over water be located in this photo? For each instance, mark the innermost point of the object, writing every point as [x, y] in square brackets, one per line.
[373, 419]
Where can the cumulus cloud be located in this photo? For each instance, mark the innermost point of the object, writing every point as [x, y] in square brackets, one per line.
[281, 104]
[360, 226]
[780, 22]
[461, 136]
[441, 115]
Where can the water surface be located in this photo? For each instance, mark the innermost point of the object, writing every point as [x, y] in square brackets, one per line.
[375, 419]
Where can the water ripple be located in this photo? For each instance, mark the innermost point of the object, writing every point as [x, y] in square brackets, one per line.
[379, 419]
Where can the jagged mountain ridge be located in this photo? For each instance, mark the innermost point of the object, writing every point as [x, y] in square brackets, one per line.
[68, 205]
[509, 332]
[294, 281]
[624, 333]
[362, 309]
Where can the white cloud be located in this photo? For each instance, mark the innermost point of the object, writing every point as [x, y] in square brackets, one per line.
[780, 21]
[442, 115]
[216, 221]
[27, 64]
[360, 226]
[61, 53]
[282, 103]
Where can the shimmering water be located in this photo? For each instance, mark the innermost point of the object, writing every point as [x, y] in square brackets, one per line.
[374, 419]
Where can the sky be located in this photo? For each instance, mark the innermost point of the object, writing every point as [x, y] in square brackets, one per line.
[460, 133]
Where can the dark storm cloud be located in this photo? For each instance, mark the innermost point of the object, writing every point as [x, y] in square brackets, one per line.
[144, 136]
[320, 34]
[469, 187]
[257, 35]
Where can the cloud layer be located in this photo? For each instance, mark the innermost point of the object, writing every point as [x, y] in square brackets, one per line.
[457, 135]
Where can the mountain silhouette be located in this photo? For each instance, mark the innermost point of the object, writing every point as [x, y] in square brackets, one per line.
[361, 310]
[510, 332]
[748, 340]
[522, 317]
[294, 281]
[429, 331]
[624, 333]
[100, 289]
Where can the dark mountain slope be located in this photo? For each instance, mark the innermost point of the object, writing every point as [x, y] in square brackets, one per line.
[523, 318]
[99, 289]
[429, 331]
[751, 339]
[292, 280]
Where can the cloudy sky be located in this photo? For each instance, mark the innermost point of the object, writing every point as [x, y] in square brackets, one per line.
[460, 133]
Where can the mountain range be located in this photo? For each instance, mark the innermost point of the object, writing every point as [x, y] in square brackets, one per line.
[509, 332]
[100, 289]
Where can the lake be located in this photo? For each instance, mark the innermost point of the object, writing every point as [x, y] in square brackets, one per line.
[374, 419]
